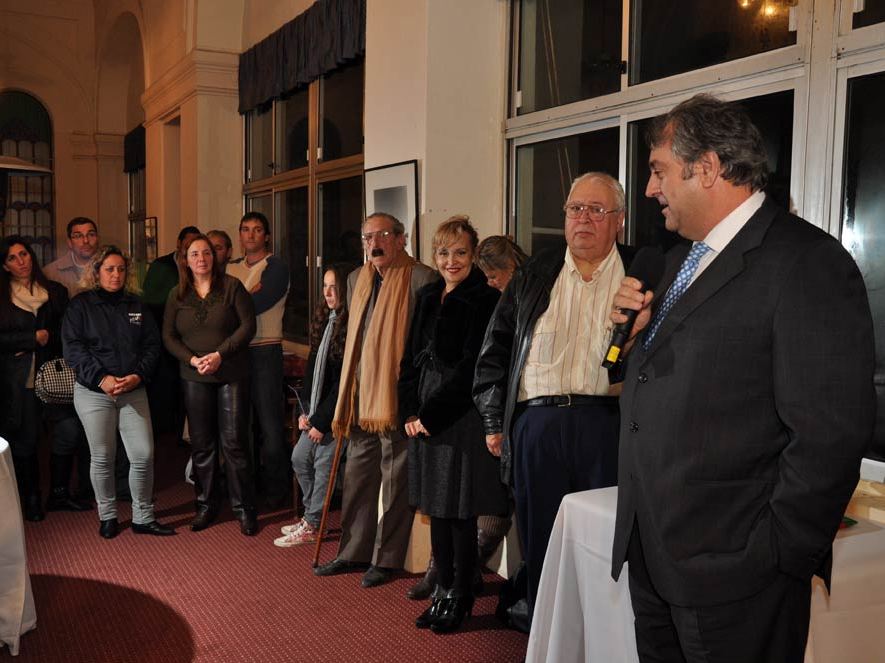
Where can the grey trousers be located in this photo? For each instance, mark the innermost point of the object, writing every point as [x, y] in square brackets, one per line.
[374, 461]
[101, 416]
[312, 463]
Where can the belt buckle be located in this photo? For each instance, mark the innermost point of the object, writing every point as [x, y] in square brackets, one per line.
[568, 402]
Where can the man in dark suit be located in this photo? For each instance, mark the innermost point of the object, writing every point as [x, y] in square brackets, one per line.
[547, 405]
[747, 404]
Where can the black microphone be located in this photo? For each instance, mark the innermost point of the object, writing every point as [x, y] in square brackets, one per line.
[648, 267]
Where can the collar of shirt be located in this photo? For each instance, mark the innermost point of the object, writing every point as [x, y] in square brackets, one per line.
[724, 231]
[572, 268]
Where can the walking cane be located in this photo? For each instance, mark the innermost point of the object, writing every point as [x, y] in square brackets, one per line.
[329, 490]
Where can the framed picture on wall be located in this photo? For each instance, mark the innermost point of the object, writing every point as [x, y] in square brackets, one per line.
[394, 189]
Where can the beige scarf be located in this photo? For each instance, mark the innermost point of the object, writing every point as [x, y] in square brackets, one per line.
[379, 353]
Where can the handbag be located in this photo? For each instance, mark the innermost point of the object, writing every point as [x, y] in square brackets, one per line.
[54, 382]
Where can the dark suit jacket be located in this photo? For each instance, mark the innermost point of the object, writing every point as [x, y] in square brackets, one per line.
[743, 426]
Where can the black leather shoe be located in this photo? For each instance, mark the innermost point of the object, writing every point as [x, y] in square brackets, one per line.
[426, 618]
[248, 522]
[453, 609]
[337, 566]
[376, 575]
[152, 527]
[108, 528]
[61, 500]
[202, 519]
[424, 587]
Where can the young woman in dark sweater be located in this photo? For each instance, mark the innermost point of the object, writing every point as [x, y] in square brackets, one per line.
[208, 323]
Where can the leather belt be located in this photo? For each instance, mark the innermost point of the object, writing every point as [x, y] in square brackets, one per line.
[567, 400]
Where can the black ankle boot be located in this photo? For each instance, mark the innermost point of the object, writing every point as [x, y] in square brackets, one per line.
[33, 508]
[428, 617]
[424, 587]
[453, 609]
[60, 500]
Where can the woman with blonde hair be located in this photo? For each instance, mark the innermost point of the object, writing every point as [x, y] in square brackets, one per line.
[112, 343]
[452, 476]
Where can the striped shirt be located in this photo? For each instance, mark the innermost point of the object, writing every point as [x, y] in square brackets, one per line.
[572, 335]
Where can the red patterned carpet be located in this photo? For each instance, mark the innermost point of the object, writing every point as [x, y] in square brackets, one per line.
[221, 597]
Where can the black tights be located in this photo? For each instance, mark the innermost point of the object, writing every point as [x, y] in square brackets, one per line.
[453, 541]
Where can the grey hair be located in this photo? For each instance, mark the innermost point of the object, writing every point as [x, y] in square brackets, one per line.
[606, 179]
[707, 124]
[398, 227]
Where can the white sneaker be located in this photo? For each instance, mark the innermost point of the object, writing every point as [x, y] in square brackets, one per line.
[306, 534]
[289, 529]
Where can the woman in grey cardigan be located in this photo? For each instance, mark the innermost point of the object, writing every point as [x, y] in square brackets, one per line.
[208, 323]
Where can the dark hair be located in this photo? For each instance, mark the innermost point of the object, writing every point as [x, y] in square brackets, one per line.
[256, 216]
[79, 221]
[186, 276]
[187, 230]
[37, 275]
[321, 314]
[499, 252]
[398, 227]
[707, 124]
[223, 235]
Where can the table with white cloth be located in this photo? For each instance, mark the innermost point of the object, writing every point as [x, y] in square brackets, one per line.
[17, 613]
[582, 615]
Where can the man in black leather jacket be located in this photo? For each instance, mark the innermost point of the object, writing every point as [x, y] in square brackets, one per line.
[548, 407]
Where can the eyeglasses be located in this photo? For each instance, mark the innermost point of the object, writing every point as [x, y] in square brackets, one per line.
[378, 235]
[78, 236]
[596, 212]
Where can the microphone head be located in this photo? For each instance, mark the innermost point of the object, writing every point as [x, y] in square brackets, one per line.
[648, 266]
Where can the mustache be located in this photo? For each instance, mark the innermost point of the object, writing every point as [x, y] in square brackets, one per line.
[377, 252]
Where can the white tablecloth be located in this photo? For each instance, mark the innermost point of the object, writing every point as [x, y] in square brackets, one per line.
[581, 615]
[17, 613]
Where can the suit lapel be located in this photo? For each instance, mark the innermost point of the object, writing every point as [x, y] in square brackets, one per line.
[727, 266]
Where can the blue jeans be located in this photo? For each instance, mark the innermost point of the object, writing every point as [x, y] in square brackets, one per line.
[102, 416]
[267, 407]
[312, 462]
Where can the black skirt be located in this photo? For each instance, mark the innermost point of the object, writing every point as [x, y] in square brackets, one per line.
[453, 475]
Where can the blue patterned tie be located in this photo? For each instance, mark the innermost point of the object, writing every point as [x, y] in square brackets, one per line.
[683, 278]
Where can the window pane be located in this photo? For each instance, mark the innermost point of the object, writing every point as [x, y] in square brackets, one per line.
[341, 217]
[544, 174]
[292, 132]
[772, 114]
[568, 50]
[290, 230]
[702, 33]
[873, 12]
[259, 144]
[341, 112]
[863, 214]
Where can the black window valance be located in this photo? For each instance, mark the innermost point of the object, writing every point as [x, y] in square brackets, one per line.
[325, 36]
[134, 150]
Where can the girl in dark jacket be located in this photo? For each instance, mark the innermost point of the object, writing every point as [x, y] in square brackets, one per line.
[313, 454]
[452, 477]
[31, 310]
[112, 343]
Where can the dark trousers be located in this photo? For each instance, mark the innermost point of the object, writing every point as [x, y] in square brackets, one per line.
[23, 444]
[267, 408]
[556, 451]
[768, 627]
[453, 542]
[217, 415]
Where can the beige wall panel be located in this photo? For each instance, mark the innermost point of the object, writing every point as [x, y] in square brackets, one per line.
[219, 25]
[220, 165]
[262, 17]
[165, 26]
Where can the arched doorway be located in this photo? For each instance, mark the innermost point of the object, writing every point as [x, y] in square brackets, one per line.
[26, 181]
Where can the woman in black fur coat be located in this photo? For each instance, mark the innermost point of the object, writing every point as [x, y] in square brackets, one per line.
[452, 476]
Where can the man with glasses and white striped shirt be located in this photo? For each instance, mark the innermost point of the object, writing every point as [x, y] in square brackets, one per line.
[548, 408]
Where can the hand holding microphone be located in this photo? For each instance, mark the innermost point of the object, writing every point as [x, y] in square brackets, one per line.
[634, 296]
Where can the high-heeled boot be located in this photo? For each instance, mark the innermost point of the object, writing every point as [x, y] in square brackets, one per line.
[428, 617]
[453, 609]
[424, 587]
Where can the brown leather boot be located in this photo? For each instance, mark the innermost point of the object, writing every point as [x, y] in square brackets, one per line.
[424, 587]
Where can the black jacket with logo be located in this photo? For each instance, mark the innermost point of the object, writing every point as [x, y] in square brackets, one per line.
[109, 334]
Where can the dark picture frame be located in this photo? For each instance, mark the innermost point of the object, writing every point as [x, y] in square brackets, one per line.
[394, 189]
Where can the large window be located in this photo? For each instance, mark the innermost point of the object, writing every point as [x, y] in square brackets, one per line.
[26, 195]
[304, 165]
